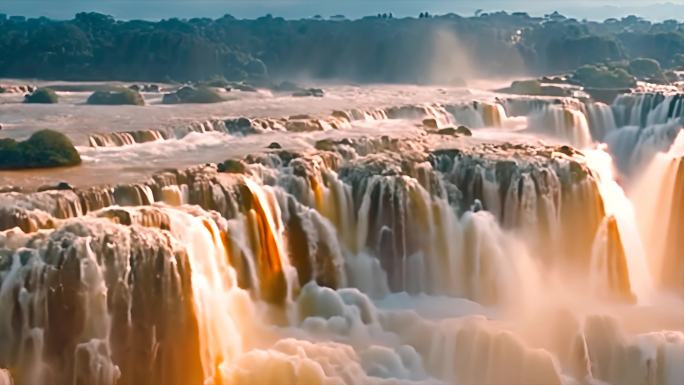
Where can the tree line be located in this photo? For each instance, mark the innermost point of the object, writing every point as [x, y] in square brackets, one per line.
[380, 48]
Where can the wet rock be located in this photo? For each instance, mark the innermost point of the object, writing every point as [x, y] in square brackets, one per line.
[567, 150]
[193, 95]
[232, 166]
[275, 145]
[430, 123]
[17, 89]
[315, 92]
[10, 189]
[303, 125]
[325, 145]
[463, 130]
[341, 115]
[242, 126]
[287, 156]
[151, 88]
[58, 186]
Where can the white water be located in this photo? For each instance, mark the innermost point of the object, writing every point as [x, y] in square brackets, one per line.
[485, 297]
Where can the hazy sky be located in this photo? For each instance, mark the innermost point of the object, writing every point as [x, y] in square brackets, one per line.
[156, 9]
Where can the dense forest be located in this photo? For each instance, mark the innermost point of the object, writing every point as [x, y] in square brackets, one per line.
[381, 48]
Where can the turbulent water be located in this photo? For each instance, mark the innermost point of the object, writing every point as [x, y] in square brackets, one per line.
[359, 238]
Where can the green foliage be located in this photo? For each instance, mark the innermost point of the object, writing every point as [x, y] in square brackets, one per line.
[119, 96]
[43, 96]
[93, 46]
[678, 61]
[193, 95]
[603, 77]
[645, 68]
[44, 148]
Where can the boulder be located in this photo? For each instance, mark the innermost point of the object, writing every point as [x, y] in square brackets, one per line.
[192, 95]
[275, 145]
[463, 130]
[430, 123]
[449, 131]
[232, 166]
[44, 148]
[241, 126]
[42, 96]
[119, 96]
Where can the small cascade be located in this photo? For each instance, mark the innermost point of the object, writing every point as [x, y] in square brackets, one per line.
[563, 122]
[492, 114]
[419, 112]
[647, 109]
[466, 114]
[633, 147]
[525, 106]
[601, 120]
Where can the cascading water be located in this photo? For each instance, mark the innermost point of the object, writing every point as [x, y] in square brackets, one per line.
[658, 194]
[385, 260]
[567, 123]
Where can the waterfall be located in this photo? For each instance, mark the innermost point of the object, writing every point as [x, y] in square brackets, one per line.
[658, 193]
[647, 109]
[562, 122]
[601, 120]
[618, 240]
[372, 261]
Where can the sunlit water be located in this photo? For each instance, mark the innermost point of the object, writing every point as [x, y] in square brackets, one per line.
[515, 260]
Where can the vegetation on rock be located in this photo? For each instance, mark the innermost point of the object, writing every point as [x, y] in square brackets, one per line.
[42, 96]
[44, 148]
[119, 96]
[603, 77]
